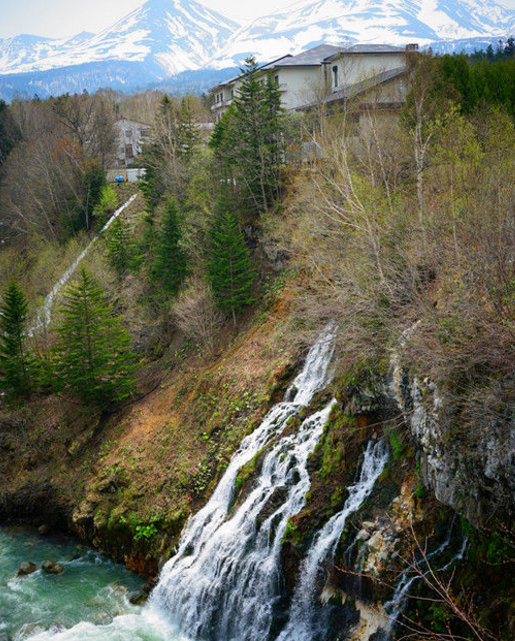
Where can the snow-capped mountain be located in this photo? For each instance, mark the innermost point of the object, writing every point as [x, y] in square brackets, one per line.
[174, 35]
[26, 51]
[163, 38]
[309, 23]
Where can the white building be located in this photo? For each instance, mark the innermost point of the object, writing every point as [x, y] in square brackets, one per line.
[131, 136]
[327, 73]
[298, 77]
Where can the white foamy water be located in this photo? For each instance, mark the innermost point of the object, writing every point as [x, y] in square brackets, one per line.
[225, 579]
[305, 624]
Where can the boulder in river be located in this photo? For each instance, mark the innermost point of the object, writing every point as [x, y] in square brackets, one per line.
[51, 567]
[149, 586]
[26, 568]
[137, 597]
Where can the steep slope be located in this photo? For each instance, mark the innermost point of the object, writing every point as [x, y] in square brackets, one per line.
[307, 23]
[172, 34]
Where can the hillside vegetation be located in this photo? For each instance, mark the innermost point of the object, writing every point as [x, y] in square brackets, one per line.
[192, 311]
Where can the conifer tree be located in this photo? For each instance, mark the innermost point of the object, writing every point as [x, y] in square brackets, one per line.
[16, 362]
[230, 270]
[94, 356]
[171, 261]
[120, 248]
[188, 132]
[249, 142]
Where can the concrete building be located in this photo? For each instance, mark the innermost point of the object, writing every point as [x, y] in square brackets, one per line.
[298, 77]
[131, 137]
[331, 74]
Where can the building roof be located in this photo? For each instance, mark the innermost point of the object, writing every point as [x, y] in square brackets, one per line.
[263, 67]
[311, 58]
[120, 120]
[316, 56]
[365, 49]
[283, 60]
[362, 87]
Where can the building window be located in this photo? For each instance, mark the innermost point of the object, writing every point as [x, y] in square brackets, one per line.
[277, 80]
[335, 76]
[232, 94]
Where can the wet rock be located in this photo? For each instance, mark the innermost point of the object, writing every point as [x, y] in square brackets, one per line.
[274, 502]
[26, 568]
[148, 587]
[28, 630]
[137, 597]
[51, 567]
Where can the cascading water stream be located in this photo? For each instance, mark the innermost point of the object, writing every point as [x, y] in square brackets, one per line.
[224, 581]
[305, 623]
[45, 313]
[227, 586]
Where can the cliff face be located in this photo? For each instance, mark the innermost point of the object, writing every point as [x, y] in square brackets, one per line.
[470, 470]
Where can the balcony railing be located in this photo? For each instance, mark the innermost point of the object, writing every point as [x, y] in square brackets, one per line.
[222, 104]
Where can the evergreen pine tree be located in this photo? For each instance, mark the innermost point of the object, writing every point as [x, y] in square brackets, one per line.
[7, 136]
[249, 141]
[171, 261]
[120, 248]
[94, 357]
[188, 132]
[16, 362]
[230, 271]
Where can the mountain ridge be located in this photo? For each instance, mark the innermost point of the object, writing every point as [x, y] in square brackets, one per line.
[163, 38]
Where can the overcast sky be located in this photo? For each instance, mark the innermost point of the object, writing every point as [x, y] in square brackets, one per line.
[59, 18]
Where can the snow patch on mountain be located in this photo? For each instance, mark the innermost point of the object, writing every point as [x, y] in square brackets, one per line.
[27, 50]
[178, 35]
[399, 22]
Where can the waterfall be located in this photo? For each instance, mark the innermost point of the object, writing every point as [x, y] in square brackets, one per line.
[224, 582]
[44, 315]
[305, 622]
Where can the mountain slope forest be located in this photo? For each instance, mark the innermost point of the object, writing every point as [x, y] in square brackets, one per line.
[194, 309]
